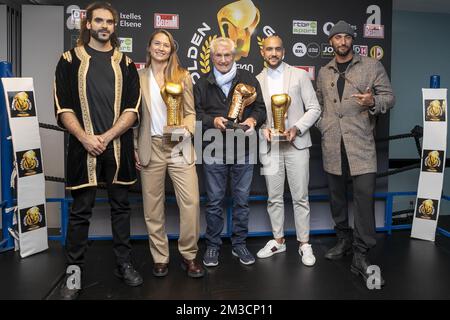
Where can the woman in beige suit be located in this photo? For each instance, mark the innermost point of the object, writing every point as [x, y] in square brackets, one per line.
[155, 156]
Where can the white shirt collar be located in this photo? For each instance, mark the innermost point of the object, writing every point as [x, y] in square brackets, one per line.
[276, 71]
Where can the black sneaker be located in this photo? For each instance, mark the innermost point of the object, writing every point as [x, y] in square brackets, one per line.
[245, 256]
[128, 274]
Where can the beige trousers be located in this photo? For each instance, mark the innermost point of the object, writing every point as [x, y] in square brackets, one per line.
[185, 182]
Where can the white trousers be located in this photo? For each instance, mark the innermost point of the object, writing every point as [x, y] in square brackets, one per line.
[294, 164]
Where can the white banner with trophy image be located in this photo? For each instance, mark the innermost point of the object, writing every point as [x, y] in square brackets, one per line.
[431, 177]
[30, 229]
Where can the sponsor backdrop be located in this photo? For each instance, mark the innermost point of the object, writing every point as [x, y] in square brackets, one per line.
[431, 177]
[30, 228]
[303, 25]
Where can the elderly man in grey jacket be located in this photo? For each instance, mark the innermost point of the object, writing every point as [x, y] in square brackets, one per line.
[291, 156]
[352, 91]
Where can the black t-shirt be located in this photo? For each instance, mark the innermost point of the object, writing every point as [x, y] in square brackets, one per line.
[342, 67]
[100, 89]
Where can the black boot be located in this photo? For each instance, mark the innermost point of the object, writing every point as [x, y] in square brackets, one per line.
[342, 248]
[128, 274]
[360, 266]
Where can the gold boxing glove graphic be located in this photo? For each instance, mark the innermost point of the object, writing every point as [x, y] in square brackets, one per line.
[237, 21]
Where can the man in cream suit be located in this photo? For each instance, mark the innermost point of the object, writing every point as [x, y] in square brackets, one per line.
[292, 155]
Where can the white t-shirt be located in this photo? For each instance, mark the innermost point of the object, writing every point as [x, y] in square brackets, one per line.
[158, 107]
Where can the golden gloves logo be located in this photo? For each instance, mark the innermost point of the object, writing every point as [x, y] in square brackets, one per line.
[21, 104]
[237, 21]
[32, 218]
[29, 162]
[434, 110]
[433, 161]
[426, 209]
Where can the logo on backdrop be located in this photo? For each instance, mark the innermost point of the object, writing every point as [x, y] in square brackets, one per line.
[375, 31]
[21, 104]
[304, 27]
[361, 50]
[130, 20]
[435, 110]
[377, 52]
[311, 71]
[299, 49]
[327, 51]
[313, 50]
[426, 208]
[166, 21]
[29, 162]
[126, 44]
[237, 21]
[75, 16]
[433, 161]
[32, 218]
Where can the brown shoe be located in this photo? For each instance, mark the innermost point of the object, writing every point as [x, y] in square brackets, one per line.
[193, 268]
[160, 269]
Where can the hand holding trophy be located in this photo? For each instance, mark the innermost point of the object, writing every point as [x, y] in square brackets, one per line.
[172, 94]
[243, 96]
[280, 105]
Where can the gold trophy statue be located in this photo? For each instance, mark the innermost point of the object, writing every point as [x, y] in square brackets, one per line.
[237, 21]
[22, 104]
[243, 96]
[172, 94]
[280, 106]
[435, 110]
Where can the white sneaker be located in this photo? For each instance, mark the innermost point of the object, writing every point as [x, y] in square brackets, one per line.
[270, 249]
[307, 255]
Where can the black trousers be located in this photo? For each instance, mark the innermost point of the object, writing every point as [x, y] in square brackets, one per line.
[81, 212]
[363, 204]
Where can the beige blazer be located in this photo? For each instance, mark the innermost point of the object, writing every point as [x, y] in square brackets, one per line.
[304, 110]
[142, 134]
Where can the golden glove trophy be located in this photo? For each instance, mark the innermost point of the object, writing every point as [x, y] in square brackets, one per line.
[172, 94]
[280, 105]
[243, 96]
[237, 21]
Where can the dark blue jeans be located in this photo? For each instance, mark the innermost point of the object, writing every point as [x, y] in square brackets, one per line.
[216, 178]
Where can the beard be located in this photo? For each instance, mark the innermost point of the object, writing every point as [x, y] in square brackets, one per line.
[342, 53]
[96, 35]
[278, 62]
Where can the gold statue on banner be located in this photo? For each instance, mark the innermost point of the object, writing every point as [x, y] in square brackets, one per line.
[22, 104]
[32, 218]
[172, 94]
[243, 96]
[427, 208]
[237, 21]
[29, 162]
[280, 105]
[435, 110]
[432, 161]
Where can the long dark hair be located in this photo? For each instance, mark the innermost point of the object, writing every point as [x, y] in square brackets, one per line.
[85, 33]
